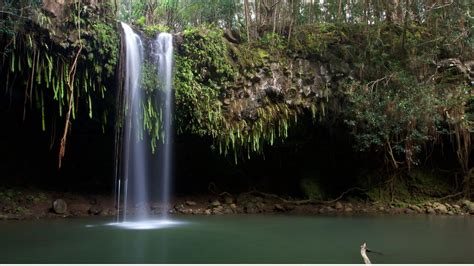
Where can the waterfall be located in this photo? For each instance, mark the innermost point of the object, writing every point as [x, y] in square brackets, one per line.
[134, 146]
[135, 161]
[164, 59]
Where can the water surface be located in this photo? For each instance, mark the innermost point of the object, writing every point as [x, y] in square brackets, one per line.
[242, 239]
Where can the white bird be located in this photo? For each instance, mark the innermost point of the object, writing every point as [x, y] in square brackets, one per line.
[363, 253]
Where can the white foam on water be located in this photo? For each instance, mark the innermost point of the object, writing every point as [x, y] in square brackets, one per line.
[147, 224]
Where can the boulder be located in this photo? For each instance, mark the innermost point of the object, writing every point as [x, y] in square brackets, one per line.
[190, 203]
[279, 208]
[468, 206]
[415, 208]
[60, 206]
[348, 209]
[233, 206]
[440, 208]
[430, 210]
[215, 203]
[207, 212]
[250, 208]
[338, 206]
[228, 200]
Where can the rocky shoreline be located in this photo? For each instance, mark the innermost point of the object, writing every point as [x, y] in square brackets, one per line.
[20, 205]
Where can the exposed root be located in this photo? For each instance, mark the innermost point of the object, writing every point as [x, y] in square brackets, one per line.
[306, 201]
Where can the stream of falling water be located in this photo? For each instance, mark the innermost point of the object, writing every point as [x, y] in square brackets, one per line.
[134, 175]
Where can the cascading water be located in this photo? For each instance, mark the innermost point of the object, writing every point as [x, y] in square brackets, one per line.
[134, 147]
[164, 57]
[134, 156]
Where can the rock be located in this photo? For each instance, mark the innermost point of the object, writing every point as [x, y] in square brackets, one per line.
[207, 212]
[260, 206]
[233, 206]
[60, 206]
[468, 206]
[217, 211]
[397, 210]
[450, 213]
[219, 208]
[228, 200]
[330, 209]
[456, 207]
[440, 208]
[228, 211]
[215, 203]
[348, 209]
[381, 208]
[409, 211]
[415, 208]
[338, 206]
[178, 207]
[95, 210]
[190, 203]
[250, 208]
[430, 210]
[279, 208]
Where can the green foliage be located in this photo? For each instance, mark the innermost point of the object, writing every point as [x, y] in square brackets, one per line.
[202, 69]
[395, 114]
[45, 60]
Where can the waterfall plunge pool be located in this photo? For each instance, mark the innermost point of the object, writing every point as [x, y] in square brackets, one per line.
[242, 239]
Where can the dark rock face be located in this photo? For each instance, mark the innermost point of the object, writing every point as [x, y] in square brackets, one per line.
[294, 82]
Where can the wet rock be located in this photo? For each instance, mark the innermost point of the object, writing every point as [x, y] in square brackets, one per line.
[279, 208]
[60, 206]
[95, 210]
[456, 207]
[338, 206]
[450, 213]
[190, 203]
[233, 206]
[348, 209]
[207, 212]
[409, 211]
